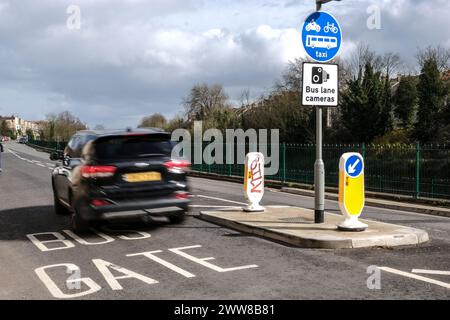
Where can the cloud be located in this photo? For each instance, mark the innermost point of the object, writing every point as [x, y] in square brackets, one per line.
[132, 58]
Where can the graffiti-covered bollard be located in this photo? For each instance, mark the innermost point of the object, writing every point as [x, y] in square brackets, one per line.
[254, 181]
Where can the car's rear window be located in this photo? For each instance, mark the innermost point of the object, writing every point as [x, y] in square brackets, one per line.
[129, 147]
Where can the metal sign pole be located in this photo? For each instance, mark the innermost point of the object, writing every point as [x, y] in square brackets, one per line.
[319, 172]
[317, 77]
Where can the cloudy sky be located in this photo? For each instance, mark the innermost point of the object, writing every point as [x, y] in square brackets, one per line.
[131, 58]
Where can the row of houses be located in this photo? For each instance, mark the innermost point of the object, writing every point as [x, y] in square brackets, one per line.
[19, 126]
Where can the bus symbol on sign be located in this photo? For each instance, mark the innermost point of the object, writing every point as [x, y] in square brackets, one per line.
[321, 42]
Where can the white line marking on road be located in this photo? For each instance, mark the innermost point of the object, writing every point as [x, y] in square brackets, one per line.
[165, 263]
[106, 238]
[221, 199]
[206, 206]
[58, 238]
[202, 261]
[415, 276]
[55, 291]
[440, 272]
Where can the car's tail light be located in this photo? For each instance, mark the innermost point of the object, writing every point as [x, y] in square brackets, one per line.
[98, 171]
[181, 195]
[100, 202]
[177, 166]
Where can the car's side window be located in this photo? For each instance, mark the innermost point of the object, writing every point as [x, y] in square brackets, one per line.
[70, 147]
[74, 146]
[71, 143]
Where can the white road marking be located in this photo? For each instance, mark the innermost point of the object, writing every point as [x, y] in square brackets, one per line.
[203, 261]
[415, 276]
[165, 263]
[440, 272]
[221, 199]
[53, 288]
[207, 206]
[103, 266]
[41, 243]
[107, 239]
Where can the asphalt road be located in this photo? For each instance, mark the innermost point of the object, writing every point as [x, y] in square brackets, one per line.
[236, 265]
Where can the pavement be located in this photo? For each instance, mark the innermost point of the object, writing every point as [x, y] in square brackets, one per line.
[198, 259]
[381, 203]
[295, 226]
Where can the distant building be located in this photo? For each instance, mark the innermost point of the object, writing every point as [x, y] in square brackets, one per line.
[20, 126]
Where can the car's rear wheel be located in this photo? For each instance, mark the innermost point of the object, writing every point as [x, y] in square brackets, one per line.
[175, 219]
[79, 224]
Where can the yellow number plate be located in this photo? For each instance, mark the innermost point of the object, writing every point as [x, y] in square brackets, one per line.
[142, 176]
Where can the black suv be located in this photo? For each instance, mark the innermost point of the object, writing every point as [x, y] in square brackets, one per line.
[117, 176]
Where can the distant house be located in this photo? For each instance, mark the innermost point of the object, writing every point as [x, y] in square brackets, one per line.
[20, 126]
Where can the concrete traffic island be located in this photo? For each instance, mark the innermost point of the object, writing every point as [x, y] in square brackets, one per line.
[295, 227]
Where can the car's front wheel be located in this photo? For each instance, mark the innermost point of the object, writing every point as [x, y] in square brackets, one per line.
[59, 208]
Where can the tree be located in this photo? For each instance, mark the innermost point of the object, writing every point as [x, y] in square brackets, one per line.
[385, 121]
[431, 93]
[365, 106]
[405, 101]
[30, 134]
[156, 120]
[391, 63]
[444, 130]
[362, 56]
[439, 54]
[281, 110]
[4, 129]
[178, 122]
[202, 100]
[61, 126]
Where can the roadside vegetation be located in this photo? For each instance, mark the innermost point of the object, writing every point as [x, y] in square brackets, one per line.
[379, 103]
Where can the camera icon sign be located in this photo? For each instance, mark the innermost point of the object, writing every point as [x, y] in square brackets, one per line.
[319, 75]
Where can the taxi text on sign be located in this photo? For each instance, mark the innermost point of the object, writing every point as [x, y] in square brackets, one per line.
[351, 190]
[254, 181]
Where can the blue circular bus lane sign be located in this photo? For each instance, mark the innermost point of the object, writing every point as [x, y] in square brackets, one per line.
[321, 36]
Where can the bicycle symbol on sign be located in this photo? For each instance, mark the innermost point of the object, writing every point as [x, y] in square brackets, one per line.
[330, 27]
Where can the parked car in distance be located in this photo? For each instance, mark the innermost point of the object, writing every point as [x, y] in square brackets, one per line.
[108, 176]
[23, 140]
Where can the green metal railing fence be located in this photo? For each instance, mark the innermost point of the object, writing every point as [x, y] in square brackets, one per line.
[48, 146]
[412, 170]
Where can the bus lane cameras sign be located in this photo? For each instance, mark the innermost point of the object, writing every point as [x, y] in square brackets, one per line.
[320, 84]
